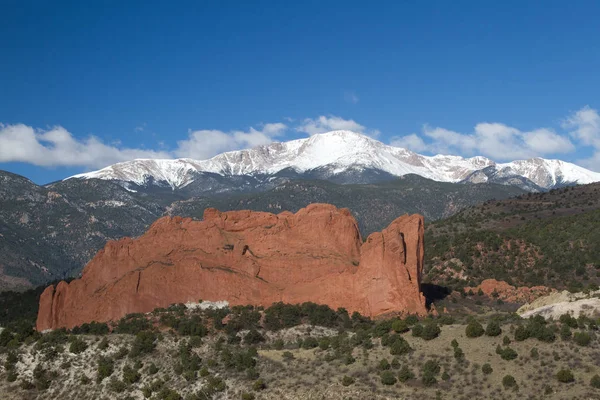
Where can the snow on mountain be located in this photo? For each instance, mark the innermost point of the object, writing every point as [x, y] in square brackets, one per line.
[338, 151]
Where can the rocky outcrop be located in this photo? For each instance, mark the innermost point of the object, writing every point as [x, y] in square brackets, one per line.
[558, 303]
[247, 257]
[506, 292]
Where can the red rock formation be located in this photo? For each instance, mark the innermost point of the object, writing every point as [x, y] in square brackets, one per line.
[248, 257]
[506, 292]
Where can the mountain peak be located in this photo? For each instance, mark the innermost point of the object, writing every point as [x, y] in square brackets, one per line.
[339, 152]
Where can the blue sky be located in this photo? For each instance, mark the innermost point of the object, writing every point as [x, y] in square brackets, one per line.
[87, 84]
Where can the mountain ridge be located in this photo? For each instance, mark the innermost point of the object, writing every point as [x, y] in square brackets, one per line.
[338, 152]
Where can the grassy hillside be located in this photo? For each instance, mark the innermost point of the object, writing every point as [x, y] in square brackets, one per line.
[548, 239]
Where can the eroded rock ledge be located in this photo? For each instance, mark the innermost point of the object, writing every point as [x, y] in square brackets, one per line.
[248, 257]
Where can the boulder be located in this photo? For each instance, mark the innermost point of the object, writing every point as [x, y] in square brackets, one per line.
[248, 257]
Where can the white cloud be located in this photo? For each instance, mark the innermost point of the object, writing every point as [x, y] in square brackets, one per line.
[351, 97]
[585, 126]
[324, 124]
[497, 141]
[57, 147]
[412, 142]
[204, 144]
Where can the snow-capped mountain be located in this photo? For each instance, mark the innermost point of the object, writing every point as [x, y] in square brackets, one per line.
[343, 152]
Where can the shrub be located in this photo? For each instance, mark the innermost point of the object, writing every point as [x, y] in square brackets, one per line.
[388, 378]
[132, 324]
[568, 320]
[384, 364]
[487, 369]
[582, 338]
[428, 379]
[77, 346]
[116, 385]
[278, 344]
[105, 368]
[493, 329]
[400, 326]
[399, 346]
[310, 343]
[287, 355]
[431, 330]
[521, 333]
[506, 353]
[347, 380]
[595, 381]
[565, 376]
[152, 369]
[144, 343]
[534, 353]
[565, 332]
[509, 382]
[103, 345]
[506, 340]
[417, 330]
[454, 343]
[405, 374]
[458, 353]
[474, 329]
[258, 385]
[431, 366]
[248, 396]
[253, 337]
[130, 375]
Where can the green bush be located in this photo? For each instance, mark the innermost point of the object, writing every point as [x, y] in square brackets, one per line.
[509, 382]
[258, 385]
[428, 379]
[248, 396]
[506, 353]
[144, 343]
[77, 346]
[347, 380]
[399, 346]
[384, 365]
[431, 330]
[253, 337]
[310, 343]
[487, 369]
[565, 332]
[130, 375]
[405, 374]
[132, 324]
[565, 376]
[595, 381]
[582, 338]
[521, 333]
[106, 366]
[493, 328]
[400, 326]
[388, 378]
[417, 330]
[474, 329]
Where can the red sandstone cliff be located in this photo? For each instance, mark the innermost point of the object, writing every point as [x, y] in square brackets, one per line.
[248, 257]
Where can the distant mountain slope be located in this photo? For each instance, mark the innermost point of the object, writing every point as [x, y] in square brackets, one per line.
[49, 233]
[342, 153]
[374, 205]
[550, 238]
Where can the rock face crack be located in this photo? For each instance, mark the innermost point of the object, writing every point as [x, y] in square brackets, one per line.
[137, 286]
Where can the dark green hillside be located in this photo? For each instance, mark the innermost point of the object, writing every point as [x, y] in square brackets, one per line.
[373, 205]
[548, 239]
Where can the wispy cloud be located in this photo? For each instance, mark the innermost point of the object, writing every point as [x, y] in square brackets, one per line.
[502, 142]
[323, 124]
[351, 97]
[140, 128]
